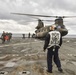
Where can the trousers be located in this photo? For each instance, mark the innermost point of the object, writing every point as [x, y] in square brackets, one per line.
[53, 55]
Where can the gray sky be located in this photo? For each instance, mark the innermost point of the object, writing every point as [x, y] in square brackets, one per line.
[22, 24]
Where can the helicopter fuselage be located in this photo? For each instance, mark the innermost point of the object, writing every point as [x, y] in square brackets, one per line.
[42, 32]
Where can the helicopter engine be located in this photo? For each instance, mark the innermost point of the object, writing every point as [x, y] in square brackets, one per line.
[59, 24]
[40, 24]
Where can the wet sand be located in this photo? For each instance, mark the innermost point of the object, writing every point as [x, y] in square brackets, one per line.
[26, 57]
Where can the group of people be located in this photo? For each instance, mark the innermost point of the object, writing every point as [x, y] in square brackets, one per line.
[6, 36]
[52, 45]
[29, 35]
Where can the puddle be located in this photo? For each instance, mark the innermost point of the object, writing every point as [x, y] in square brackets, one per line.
[3, 73]
[24, 73]
[68, 41]
[70, 72]
[23, 50]
[15, 55]
[74, 42]
[16, 59]
[2, 57]
[74, 63]
[69, 54]
[63, 62]
[10, 64]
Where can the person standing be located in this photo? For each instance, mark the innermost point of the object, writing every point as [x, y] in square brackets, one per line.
[3, 37]
[52, 43]
[29, 35]
[23, 36]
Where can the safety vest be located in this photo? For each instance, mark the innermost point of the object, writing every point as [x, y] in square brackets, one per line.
[54, 38]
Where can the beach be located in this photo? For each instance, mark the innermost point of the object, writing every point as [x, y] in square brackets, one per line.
[26, 57]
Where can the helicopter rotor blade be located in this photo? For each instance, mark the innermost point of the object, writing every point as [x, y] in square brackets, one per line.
[44, 15]
[32, 15]
[48, 20]
[68, 16]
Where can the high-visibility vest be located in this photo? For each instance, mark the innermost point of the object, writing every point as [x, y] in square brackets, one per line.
[54, 38]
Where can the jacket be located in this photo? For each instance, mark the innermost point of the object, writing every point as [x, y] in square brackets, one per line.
[47, 40]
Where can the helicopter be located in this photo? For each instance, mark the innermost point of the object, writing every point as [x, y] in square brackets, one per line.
[41, 30]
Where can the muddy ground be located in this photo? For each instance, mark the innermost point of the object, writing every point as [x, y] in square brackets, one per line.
[26, 57]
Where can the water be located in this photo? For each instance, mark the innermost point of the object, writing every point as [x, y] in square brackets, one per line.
[18, 35]
[26, 35]
[70, 36]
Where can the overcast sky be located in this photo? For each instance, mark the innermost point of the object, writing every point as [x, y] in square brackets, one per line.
[22, 24]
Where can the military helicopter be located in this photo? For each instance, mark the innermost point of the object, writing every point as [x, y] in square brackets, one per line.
[41, 30]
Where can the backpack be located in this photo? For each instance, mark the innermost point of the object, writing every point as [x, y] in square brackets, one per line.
[54, 38]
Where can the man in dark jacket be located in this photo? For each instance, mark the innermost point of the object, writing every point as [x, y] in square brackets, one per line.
[52, 53]
[3, 37]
